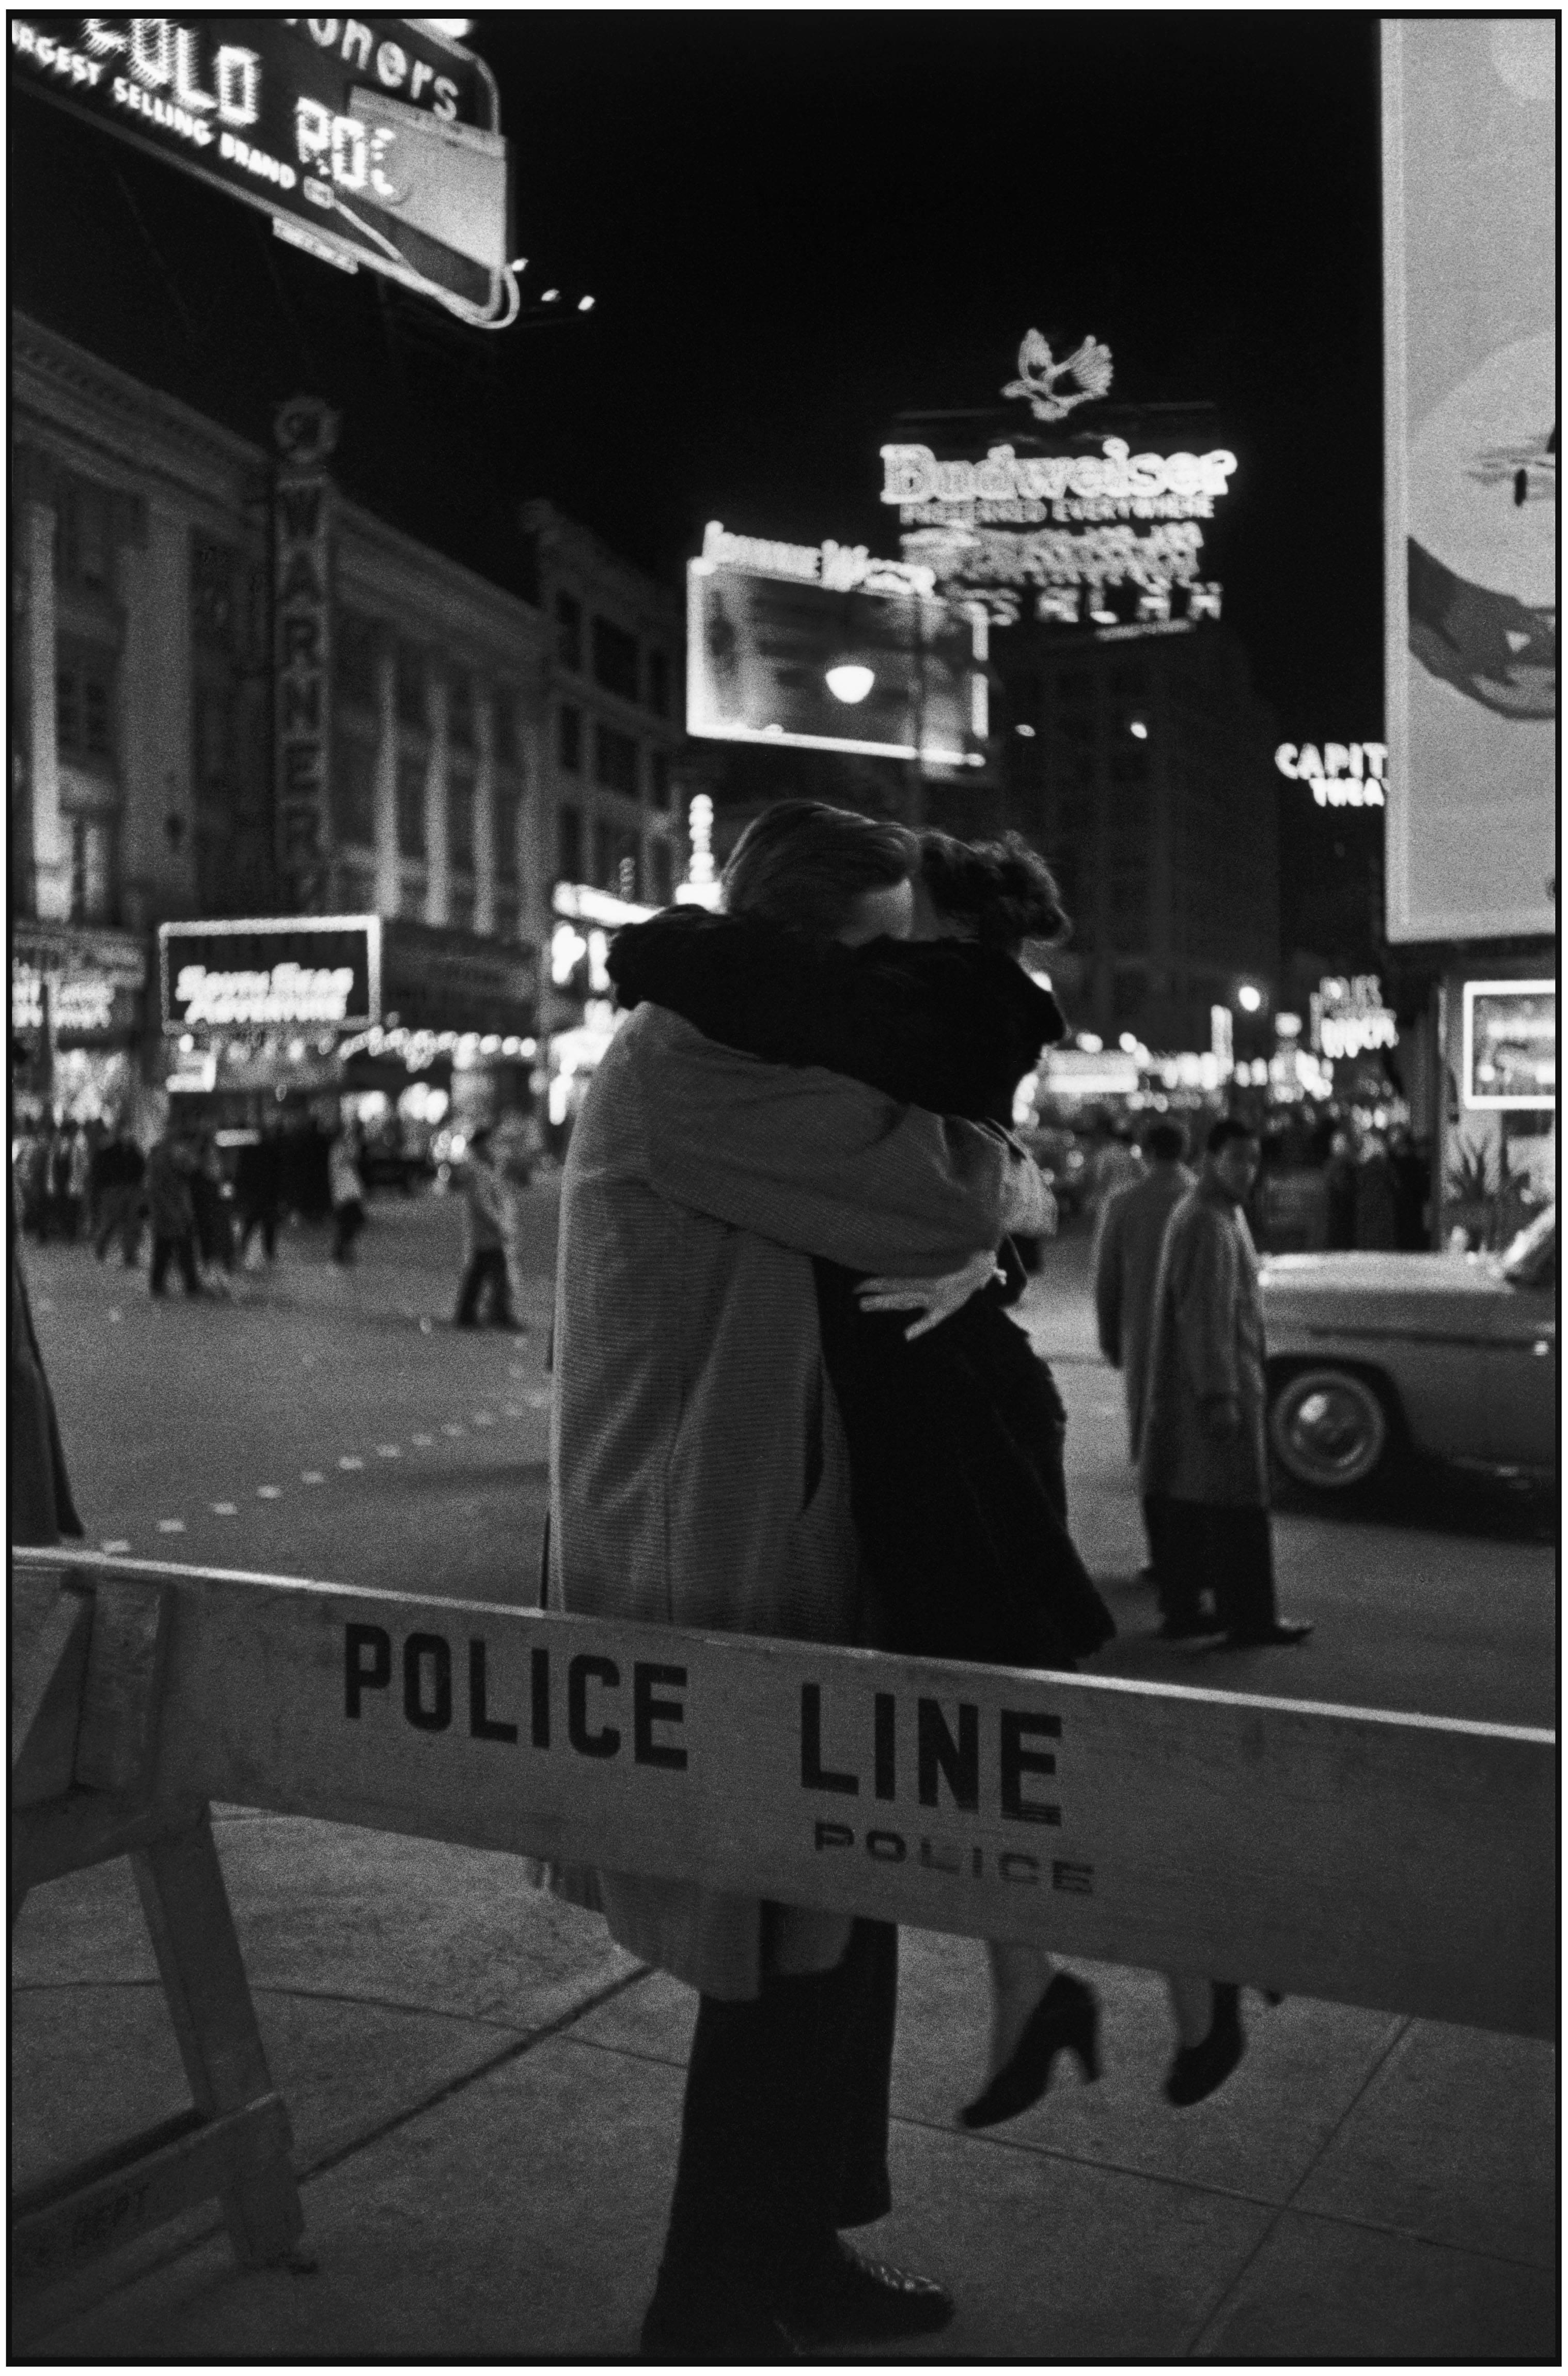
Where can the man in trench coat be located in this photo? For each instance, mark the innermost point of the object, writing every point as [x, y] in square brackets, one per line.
[699, 1478]
[1126, 1267]
[1203, 1459]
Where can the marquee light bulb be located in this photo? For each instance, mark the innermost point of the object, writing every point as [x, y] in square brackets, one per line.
[1138, 731]
[1249, 998]
[850, 682]
[584, 304]
[550, 296]
[518, 264]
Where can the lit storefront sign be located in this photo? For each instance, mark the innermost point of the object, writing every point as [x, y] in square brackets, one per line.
[1342, 775]
[1510, 1059]
[1081, 1073]
[1110, 540]
[369, 140]
[258, 974]
[306, 431]
[701, 888]
[1349, 1017]
[824, 648]
[84, 989]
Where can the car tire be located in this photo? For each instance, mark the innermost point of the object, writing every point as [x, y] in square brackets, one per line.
[1329, 1428]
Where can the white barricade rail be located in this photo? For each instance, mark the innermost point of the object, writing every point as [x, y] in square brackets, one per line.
[1403, 1862]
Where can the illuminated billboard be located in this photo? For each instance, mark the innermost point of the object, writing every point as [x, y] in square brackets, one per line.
[369, 140]
[823, 649]
[1470, 414]
[1510, 1059]
[316, 973]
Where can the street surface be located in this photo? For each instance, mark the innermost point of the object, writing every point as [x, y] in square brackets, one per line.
[333, 1424]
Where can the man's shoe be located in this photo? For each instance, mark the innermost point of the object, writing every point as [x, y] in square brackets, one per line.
[854, 2299]
[1284, 1631]
[723, 2324]
[1186, 1629]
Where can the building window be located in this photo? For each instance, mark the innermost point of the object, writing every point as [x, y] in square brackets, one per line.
[569, 631]
[84, 707]
[506, 919]
[410, 806]
[410, 685]
[353, 657]
[212, 719]
[460, 824]
[658, 777]
[508, 815]
[615, 760]
[662, 869]
[215, 596]
[615, 658]
[569, 738]
[1129, 988]
[460, 908]
[92, 870]
[353, 790]
[658, 683]
[568, 845]
[82, 543]
[605, 853]
[504, 729]
[356, 891]
[461, 712]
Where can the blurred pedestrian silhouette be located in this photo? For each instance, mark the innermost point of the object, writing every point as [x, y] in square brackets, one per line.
[172, 1211]
[117, 1213]
[484, 1240]
[346, 1188]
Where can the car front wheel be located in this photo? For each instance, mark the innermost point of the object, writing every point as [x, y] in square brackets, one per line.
[1328, 1428]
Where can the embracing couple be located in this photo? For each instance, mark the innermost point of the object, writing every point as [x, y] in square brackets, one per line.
[790, 1400]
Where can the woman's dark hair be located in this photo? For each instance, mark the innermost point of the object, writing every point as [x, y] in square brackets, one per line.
[1227, 1127]
[1166, 1142]
[805, 864]
[1003, 890]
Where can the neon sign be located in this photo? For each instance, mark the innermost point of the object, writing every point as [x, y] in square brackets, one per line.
[224, 977]
[1023, 491]
[306, 431]
[843, 568]
[1510, 1052]
[1343, 775]
[1349, 1017]
[370, 140]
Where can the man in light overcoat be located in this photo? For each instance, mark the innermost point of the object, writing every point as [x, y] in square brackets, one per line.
[1126, 1267]
[1203, 1458]
[700, 1479]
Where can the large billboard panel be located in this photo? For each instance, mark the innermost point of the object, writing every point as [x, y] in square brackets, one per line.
[1470, 388]
[369, 140]
[258, 973]
[792, 662]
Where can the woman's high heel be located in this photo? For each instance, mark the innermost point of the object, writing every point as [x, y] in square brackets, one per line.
[1196, 2070]
[1067, 2019]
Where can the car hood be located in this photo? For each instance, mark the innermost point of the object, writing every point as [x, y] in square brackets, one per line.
[1369, 1293]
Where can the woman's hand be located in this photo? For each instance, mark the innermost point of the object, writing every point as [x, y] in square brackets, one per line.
[934, 1300]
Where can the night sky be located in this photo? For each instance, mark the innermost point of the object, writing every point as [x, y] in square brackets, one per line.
[795, 226]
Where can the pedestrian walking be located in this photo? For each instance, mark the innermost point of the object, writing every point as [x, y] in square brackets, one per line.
[259, 1191]
[61, 1210]
[30, 1166]
[1202, 1455]
[346, 1189]
[214, 1226]
[1412, 1187]
[1340, 1192]
[172, 1211]
[39, 1505]
[1116, 1164]
[484, 1240]
[122, 1167]
[1126, 1270]
[1376, 1198]
[698, 1187]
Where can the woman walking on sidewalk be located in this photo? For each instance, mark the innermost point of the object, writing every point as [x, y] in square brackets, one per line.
[346, 1188]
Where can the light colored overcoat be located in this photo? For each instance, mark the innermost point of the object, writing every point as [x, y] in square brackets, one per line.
[1126, 1270]
[1208, 1342]
[699, 1473]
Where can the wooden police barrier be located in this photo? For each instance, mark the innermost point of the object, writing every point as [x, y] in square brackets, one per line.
[1402, 1862]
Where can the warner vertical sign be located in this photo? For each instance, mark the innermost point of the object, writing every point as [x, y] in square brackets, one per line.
[307, 432]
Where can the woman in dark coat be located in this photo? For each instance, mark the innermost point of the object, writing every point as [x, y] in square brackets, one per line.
[955, 1431]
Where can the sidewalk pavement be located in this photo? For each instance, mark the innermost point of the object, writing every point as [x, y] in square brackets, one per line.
[485, 2094]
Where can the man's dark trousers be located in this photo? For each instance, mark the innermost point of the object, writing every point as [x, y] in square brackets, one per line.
[1202, 1547]
[487, 1264]
[183, 1249]
[784, 2128]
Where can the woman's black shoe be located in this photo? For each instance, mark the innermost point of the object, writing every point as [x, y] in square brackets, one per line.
[1067, 2017]
[1197, 2070]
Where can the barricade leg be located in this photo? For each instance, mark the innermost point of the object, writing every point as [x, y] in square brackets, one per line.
[187, 1906]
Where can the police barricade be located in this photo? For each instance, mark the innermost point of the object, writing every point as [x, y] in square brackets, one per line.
[1402, 1862]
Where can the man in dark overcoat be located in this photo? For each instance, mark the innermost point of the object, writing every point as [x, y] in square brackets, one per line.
[1203, 1458]
[700, 1478]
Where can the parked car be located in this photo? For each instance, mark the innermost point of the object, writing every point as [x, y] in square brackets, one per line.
[1451, 1355]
